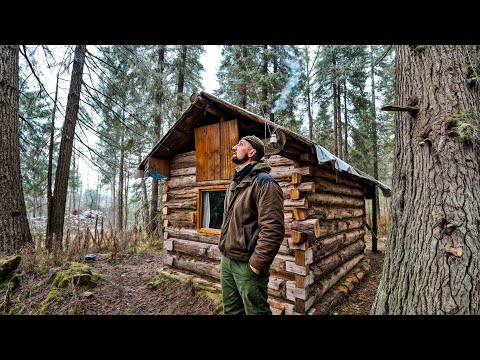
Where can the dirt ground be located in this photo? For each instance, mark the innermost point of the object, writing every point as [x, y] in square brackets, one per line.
[132, 285]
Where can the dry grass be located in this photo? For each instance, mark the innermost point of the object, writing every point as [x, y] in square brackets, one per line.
[127, 262]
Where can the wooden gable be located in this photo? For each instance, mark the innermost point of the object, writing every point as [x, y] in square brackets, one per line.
[213, 148]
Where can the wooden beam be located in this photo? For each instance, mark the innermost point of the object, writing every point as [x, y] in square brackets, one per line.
[298, 237]
[299, 214]
[306, 157]
[296, 178]
[300, 203]
[310, 227]
[294, 194]
[303, 281]
[304, 257]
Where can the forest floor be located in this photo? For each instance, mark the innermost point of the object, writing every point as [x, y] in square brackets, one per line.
[131, 284]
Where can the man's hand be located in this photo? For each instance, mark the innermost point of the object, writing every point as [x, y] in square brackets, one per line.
[254, 270]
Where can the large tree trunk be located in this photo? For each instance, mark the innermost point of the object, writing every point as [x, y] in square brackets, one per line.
[66, 144]
[48, 239]
[158, 119]
[14, 230]
[376, 202]
[432, 259]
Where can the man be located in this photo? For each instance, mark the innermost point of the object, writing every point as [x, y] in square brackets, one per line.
[252, 231]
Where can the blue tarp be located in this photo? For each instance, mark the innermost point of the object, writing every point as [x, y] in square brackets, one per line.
[324, 156]
[155, 175]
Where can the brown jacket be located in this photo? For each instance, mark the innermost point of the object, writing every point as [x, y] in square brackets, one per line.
[253, 220]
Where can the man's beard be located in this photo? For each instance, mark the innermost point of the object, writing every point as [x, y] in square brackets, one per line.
[238, 161]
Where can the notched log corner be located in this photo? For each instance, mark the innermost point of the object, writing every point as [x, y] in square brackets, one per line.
[454, 251]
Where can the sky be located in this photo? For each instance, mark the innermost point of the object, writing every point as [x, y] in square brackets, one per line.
[211, 63]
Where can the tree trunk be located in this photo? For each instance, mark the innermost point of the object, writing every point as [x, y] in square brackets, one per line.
[264, 94]
[126, 198]
[181, 79]
[153, 223]
[48, 239]
[432, 259]
[120, 188]
[345, 152]
[145, 203]
[334, 95]
[66, 145]
[73, 188]
[376, 213]
[339, 119]
[14, 229]
[243, 82]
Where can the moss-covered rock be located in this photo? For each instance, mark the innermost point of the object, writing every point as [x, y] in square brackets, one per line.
[9, 265]
[51, 297]
[77, 274]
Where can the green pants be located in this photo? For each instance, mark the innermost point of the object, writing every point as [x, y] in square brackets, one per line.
[243, 291]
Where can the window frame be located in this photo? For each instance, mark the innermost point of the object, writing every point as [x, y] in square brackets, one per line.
[200, 207]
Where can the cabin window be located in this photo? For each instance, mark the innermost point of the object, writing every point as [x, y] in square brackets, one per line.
[210, 208]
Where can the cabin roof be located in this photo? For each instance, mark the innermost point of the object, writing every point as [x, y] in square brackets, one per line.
[206, 109]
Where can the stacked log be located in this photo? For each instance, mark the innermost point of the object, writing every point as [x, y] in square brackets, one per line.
[327, 232]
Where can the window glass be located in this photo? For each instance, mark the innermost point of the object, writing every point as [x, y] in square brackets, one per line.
[212, 209]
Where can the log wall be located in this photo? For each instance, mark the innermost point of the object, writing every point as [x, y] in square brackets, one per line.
[324, 229]
[330, 226]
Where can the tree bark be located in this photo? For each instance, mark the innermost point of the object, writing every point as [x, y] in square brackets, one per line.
[120, 188]
[376, 202]
[48, 239]
[432, 260]
[334, 95]
[264, 93]
[14, 229]
[339, 119]
[181, 79]
[345, 152]
[243, 82]
[159, 95]
[66, 144]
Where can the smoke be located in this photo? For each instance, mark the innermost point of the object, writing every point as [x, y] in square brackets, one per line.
[281, 102]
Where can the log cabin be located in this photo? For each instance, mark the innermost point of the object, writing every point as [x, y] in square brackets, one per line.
[324, 201]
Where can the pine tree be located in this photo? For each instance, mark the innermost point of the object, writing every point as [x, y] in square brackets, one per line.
[14, 229]
[432, 256]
